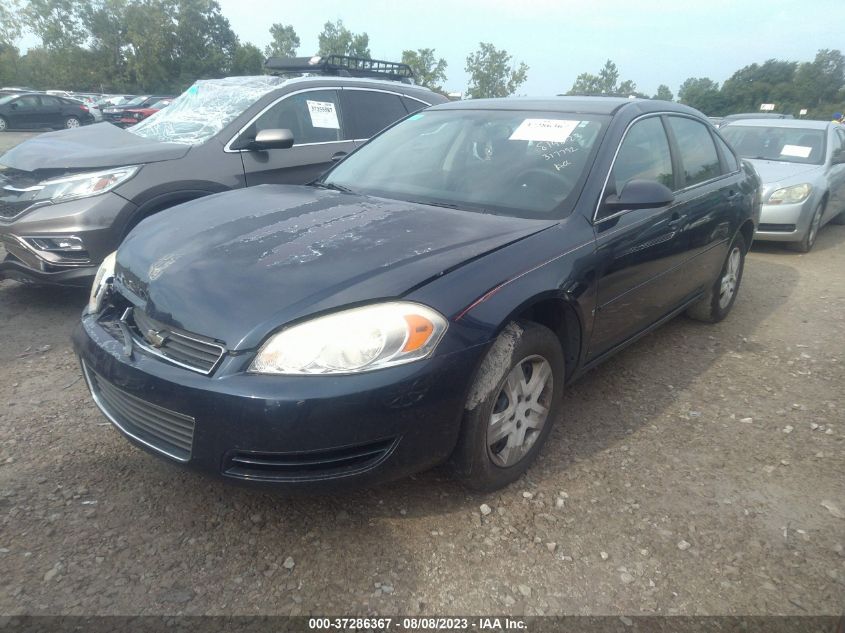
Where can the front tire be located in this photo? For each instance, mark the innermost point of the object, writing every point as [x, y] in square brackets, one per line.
[721, 296]
[72, 122]
[806, 244]
[512, 404]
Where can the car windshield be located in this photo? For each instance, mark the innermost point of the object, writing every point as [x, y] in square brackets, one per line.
[158, 105]
[7, 98]
[786, 144]
[204, 109]
[526, 164]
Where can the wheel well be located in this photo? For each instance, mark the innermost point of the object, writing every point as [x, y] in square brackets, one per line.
[562, 319]
[145, 213]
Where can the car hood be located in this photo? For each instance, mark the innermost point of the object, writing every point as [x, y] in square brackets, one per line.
[238, 265]
[89, 147]
[774, 171]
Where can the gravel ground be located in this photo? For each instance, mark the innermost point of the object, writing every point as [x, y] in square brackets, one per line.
[698, 472]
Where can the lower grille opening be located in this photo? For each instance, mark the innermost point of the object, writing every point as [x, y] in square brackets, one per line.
[776, 228]
[322, 464]
[163, 430]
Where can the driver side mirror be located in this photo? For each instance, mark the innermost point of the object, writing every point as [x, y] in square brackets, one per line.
[272, 139]
[640, 194]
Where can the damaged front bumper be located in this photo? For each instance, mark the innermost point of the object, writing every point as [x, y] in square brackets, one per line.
[296, 432]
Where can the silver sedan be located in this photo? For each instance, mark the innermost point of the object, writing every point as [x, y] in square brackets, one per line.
[802, 166]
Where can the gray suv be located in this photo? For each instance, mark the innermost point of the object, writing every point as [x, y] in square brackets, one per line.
[67, 199]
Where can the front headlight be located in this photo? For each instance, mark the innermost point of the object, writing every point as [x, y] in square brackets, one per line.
[102, 283]
[790, 195]
[83, 185]
[352, 341]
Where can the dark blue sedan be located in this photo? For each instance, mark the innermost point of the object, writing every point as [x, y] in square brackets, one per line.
[428, 299]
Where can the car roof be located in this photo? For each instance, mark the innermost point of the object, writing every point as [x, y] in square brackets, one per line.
[798, 123]
[584, 105]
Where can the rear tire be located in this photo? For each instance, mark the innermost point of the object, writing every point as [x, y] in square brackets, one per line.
[512, 404]
[806, 244]
[4, 125]
[720, 298]
[72, 122]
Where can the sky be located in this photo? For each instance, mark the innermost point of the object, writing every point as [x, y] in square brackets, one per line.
[652, 42]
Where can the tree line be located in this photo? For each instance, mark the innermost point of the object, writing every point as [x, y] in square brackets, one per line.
[149, 46]
[817, 86]
[144, 46]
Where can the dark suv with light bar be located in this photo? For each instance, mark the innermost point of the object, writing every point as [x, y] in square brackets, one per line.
[67, 199]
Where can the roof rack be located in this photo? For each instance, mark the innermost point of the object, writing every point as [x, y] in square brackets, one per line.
[342, 66]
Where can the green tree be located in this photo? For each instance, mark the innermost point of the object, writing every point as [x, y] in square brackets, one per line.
[663, 93]
[703, 94]
[205, 43]
[105, 21]
[820, 81]
[773, 81]
[285, 41]
[151, 42]
[58, 23]
[336, 39]
[605, 83]
[492, 73]
[248, 60]
[428, 70]
[10, 22]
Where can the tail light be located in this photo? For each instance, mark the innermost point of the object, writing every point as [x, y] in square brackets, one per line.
[84, 108]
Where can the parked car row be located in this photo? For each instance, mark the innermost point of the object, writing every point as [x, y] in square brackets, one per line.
[278, 299]
[26, 109]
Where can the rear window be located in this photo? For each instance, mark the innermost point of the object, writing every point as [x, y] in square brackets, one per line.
[786, 144]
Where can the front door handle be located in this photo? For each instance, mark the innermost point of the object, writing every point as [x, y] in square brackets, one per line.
[338, 155]
[675, 220]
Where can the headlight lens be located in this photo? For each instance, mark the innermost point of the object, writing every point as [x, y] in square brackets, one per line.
[83, 185]
[352, 341]
[102, 282]
[791, 195]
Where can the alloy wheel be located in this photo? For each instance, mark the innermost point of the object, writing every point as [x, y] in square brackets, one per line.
[2, 124]
[730, 278]
[72, 123]
[520, 411]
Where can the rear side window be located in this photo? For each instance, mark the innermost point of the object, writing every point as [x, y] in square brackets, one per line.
[730, 159]
[369, 112]
[313, 117]
[47, 100]
[698, 153]
[412, 105]
[644, 154]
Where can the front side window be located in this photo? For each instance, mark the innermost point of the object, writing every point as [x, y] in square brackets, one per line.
[368, 112]
[525, 164]
[27, 102]
[644, 154]
[786, 144]
[698, 153]
[313, 117]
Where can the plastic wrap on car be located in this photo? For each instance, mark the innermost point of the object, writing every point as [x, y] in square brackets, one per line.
[205, 108]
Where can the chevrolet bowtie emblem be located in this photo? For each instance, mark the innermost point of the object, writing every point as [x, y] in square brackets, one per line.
[156, 339]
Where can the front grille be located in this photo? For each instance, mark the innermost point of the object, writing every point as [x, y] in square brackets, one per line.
[16, 192]
[313, 465]
[161, 429]
[187, 350]
[776, 228]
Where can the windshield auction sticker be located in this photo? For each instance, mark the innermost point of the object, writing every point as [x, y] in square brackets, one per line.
[551, 130]
[799, 151]
[323, 114]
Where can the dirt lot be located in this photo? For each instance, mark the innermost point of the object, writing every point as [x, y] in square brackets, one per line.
[699, 472]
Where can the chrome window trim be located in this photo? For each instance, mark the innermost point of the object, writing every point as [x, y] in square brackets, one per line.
[597, 220]
[111, 418]
[228, 147]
